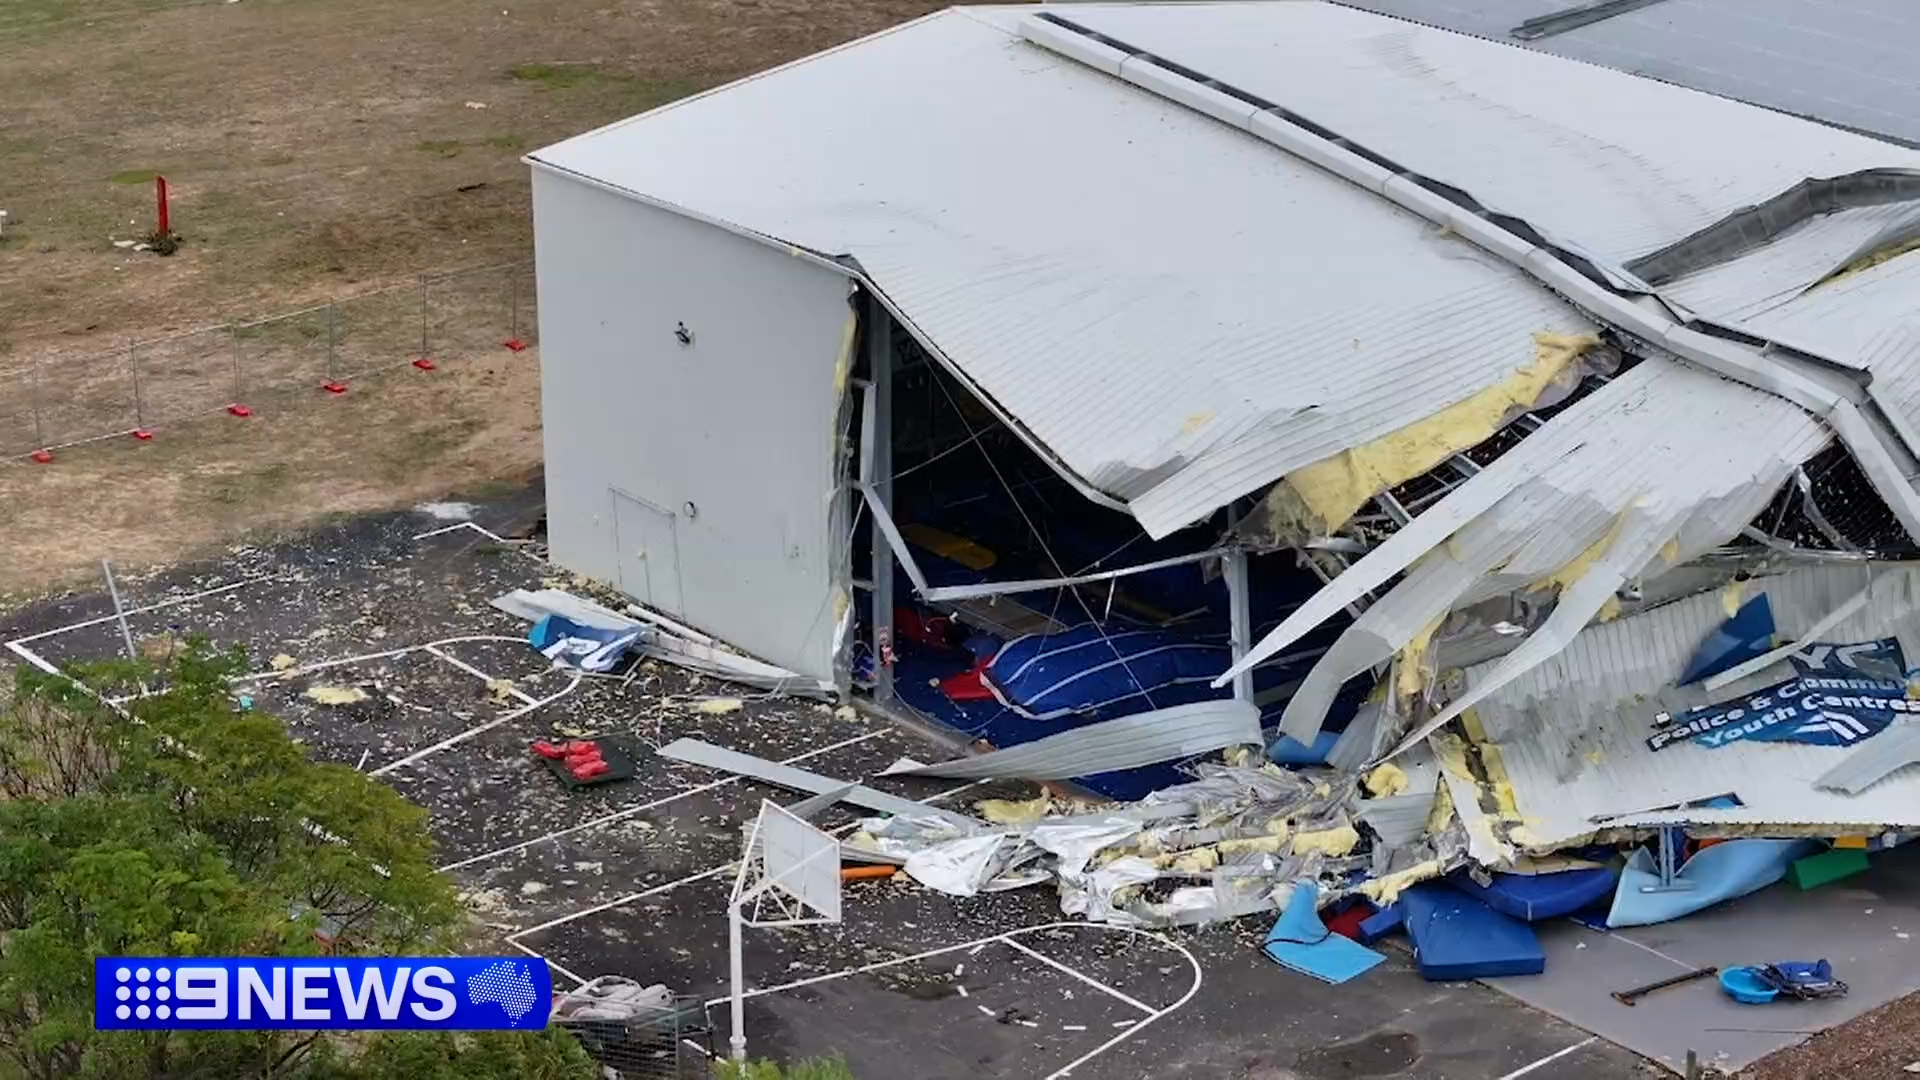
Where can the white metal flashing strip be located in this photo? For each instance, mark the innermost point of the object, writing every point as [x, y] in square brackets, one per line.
[1754, 368]
[1001, 588]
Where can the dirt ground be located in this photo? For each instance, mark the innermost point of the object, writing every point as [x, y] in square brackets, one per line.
[315, 148]
[1877, 1046]
[470, 427]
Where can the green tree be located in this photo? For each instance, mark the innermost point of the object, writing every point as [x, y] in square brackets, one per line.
[183, 825]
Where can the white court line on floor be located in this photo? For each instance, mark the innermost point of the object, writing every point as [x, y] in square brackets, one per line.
[1551, 1058]
[1076, 973]
[632, 810]
[577, 980]
[478, 729]
[724, 868]
[34, 658]
[1131, 1029]
[457, 526]
[434, 651]
[130, 612]
[1621, 936]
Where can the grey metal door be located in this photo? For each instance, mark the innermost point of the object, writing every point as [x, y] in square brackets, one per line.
[649, 552]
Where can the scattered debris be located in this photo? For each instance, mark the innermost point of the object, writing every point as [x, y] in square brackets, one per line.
[282, 662]
[718, 706]
[335, 695]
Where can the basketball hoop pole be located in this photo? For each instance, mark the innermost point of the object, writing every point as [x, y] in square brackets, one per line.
[737, 1042]
[800, 870]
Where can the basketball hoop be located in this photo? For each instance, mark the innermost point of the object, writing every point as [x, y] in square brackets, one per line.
[789, 876]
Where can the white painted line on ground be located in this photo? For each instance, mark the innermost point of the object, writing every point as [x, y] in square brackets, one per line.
[632, 810]
[620, 901]
[1082, 976]
[1551, 1058]
[457, 526]
[726, 868]
[435, 651]
[308, 669]
[1621, 936]
[478, 730]
[143, 610]
[1130, 1027]
[34, 658]
[577, 980]
[1133, 1029]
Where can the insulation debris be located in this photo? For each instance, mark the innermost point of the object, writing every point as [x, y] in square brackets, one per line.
[335, 695]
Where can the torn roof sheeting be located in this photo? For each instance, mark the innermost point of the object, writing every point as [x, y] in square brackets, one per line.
[1840, 63]
[1652, 470]
[1612, 167]
[1609, 163]
[1571, 734]
[1160, 303]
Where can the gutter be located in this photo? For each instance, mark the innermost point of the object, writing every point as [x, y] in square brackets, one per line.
[1548, 266]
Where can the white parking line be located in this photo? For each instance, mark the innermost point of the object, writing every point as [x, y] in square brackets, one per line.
[1551, 1058]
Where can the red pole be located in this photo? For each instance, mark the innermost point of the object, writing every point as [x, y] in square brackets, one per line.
[160, 206]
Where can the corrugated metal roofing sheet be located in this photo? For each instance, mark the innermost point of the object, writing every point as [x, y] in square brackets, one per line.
[1599, 160]
[1572, 732]
[1652, 470]
[1110, 745]
[1849, 63]
[1164, 303]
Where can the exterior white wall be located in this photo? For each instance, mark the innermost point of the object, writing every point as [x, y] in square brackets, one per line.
[698, 478]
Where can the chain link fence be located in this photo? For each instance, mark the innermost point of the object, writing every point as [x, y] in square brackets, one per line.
[51, 403]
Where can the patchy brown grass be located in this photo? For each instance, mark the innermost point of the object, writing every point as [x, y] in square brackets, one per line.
[315, 147]
[394, 439]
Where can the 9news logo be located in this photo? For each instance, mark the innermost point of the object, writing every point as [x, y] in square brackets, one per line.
[320, 993]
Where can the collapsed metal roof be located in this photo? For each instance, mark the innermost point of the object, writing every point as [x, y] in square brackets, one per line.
[1848, 64]
[1570, 737]
[1188, 250]
[1175, 314]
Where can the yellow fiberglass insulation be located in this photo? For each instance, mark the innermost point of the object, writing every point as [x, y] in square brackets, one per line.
[1332, 489]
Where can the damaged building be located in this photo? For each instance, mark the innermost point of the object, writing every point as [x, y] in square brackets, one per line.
[1523, 447]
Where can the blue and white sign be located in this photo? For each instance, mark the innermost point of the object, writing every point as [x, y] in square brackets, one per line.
[1816, 711]
[1879, 659]
[320, 993]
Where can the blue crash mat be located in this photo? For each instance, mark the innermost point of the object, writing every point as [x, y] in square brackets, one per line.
[1721, 872]
[1456, 936]
[1532, 897]
[1299, 940]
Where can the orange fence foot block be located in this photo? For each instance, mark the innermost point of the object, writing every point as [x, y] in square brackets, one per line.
[334, 387]
[423, 364]
[44, 457]
[240, 410]
[142, 435]
[515, 344]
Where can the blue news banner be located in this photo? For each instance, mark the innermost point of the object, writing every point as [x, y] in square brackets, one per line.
[133, 993]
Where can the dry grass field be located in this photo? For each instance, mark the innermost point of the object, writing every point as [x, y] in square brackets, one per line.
[316, 148]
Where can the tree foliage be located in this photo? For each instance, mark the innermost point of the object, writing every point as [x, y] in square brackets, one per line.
[181, 824]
